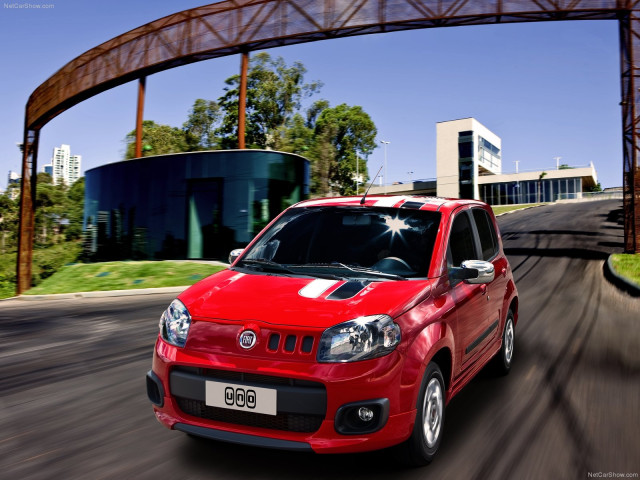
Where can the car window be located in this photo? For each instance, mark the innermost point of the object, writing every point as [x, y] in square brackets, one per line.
[486, 232]
[461, 242]
[353, 236]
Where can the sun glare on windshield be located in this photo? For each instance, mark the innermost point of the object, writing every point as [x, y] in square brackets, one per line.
[395, 225]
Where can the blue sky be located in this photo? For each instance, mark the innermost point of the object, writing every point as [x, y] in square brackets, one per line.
[547, 89]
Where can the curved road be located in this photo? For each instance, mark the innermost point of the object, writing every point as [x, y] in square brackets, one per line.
[73, 401]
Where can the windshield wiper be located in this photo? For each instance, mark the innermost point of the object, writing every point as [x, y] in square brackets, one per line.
[274, 267]
[266, 265]
[355, 269]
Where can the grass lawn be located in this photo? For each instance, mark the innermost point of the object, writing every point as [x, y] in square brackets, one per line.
[627, 265]
[497, 210]
[88, 277]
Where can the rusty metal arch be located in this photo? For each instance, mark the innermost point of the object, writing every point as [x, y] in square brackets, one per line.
[239, 26]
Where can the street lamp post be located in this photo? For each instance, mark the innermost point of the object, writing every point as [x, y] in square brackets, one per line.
[357, 175]
[385, 143]
[557, 159]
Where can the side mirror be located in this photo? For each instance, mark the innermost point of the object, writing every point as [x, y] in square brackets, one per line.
[486, 271]
[233, 256]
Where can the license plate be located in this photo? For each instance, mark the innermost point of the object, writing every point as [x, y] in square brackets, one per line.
[240, 397]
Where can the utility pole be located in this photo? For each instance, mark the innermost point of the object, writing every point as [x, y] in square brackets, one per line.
[357, 175]
[385, 143]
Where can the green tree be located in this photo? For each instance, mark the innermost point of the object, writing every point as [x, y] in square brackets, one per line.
[352, 133]
[200, 127]
[596, 188]
[298, 137]
[50, 209]
[8, 222]
[157, 139]
[75, 210]
[274, 93]
[323, 158]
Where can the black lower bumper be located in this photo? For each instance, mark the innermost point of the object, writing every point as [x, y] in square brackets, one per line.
[243, 439]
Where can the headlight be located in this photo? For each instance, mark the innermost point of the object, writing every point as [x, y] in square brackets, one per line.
[359, 339]
[174, 324]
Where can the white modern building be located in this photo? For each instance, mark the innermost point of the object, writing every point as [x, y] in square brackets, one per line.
[465, 151]
[64, 166]
[469, 165]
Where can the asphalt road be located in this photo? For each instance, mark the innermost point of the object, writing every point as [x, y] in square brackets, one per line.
[73, 401]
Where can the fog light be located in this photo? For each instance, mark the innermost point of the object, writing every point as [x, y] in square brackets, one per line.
[365, 414]
[364, 417]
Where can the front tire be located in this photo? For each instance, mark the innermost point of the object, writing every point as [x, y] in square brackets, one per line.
[425, 439]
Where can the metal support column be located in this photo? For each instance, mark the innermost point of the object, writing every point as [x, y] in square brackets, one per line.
[629, 73]
[140, 115]
[242, 100]
[27, 209]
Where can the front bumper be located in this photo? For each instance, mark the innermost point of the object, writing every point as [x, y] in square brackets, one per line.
[311, 396]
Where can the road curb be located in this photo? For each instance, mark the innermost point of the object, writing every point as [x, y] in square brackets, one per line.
[619, 281]
[102, 294]
[525, 208]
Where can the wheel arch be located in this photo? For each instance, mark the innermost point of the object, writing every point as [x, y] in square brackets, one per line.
[513, 306]
[434, 343]
[444, 359]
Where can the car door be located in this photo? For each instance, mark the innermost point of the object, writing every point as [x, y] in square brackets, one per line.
[474, 316]
[490, 252]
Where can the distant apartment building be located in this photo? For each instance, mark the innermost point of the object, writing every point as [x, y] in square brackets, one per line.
[65, 167]
[48, 168]
[13, 184]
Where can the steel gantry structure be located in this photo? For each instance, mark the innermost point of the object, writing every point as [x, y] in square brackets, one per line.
[240, 26]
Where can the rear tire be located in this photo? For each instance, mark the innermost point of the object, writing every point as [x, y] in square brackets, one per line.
[425, 439]
[503, 360]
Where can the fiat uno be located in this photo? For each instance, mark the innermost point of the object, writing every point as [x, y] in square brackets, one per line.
[346, 325]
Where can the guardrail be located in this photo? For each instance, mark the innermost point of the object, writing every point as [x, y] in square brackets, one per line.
[590, 196]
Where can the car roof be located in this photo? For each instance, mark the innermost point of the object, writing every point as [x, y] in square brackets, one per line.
[418, 202]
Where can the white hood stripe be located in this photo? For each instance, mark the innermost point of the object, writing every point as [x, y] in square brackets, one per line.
[316, 288]
[390, 201]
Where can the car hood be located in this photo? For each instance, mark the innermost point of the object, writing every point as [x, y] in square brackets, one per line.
[298, 301]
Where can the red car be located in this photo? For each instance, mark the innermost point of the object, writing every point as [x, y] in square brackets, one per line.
[346, 325]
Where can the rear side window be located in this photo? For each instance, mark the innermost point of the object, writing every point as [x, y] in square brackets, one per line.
[461, 241]
[487, 234]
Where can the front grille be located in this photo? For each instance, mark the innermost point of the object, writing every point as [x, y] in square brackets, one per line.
[285, 421]
[290, 343]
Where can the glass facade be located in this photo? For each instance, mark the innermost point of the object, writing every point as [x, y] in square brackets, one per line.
[531, 191]
[188, 205]
[489, 155]
[465, 164]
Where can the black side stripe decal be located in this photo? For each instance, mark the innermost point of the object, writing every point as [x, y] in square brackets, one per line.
[482, 336]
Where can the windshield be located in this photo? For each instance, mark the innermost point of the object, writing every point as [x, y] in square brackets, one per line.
[348, 241]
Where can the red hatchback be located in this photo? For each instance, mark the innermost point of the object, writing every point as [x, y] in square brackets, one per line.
[344, 326]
